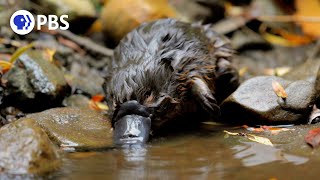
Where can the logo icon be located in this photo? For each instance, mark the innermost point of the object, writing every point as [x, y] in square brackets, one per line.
[22, 22]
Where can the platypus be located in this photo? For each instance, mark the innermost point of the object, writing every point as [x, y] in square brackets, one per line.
[164, 70]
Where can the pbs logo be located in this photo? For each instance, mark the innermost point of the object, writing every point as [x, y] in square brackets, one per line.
[22, 22]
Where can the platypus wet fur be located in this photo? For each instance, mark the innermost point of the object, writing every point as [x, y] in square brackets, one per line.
[164, 70]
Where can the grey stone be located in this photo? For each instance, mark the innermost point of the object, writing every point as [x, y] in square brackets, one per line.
[76, 128]
[25, 148]
[34, 80]
[255, 102]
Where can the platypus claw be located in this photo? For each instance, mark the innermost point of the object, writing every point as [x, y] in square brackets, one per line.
[204, 96]
[209, 103]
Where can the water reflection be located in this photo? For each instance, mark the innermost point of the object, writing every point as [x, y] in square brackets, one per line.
[253, 154]
[195, 156]
[134, 153]
[133, 162]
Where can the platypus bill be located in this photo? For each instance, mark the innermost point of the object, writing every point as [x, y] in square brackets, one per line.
[164, 70]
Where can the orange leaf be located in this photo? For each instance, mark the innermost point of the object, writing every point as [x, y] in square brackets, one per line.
[95, 103]
[279, 90]
[5, 66]
[97, 98]
[313, 137]
[309, 8]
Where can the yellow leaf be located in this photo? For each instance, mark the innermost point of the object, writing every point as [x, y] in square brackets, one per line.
[278, 40]
[102, 106]
[242, 71]
[258, 139]
[280, 71]
[98, 106]
[309, 8]
[5, 66]
[231, 133]
[279, 90]
[49, 53]
[19, 51]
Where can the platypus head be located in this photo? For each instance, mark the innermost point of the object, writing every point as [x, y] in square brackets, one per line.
[132, 123]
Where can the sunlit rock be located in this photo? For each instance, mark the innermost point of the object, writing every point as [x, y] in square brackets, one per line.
[76, 128]
[25, 148]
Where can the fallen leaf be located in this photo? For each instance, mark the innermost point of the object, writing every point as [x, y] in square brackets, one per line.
[282, 37]
[313, 137]
[252, 129]
[49, 53]
[309, 8]
[279, 71]
[19, 51]
[275, 130]
[5, 66]
[231, 133]
[258, 139]
[242, 71]
[274, 39]
[96, 104]
[279, 90]
[95, 27]
[97, 98]
[261, 140]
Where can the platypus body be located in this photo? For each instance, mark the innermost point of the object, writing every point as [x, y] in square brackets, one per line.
[164, 70]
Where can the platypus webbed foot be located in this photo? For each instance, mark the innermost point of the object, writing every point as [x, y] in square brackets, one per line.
[205, 97]
[131, 124]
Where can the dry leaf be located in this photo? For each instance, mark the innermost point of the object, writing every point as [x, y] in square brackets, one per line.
[19, 51]
[5, 66]
[97, 98]
[252, 129]
[49, 53]
[279, 90]
[242, 71]
[261, 140]
[231, 133]
[309, 8]
[313, 137]
[258, 139]
[279, 71]
[95, 103]
[282, 37]
[275, 130]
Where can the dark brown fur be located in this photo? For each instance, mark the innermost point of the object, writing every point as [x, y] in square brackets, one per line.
[172, 68]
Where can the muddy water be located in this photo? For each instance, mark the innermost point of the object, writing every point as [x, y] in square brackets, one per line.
[198, 155]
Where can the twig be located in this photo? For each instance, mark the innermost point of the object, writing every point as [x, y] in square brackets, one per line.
[228, 25]
[86, 43]
[289, 18]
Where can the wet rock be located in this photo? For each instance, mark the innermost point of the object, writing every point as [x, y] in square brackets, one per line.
[25, 148]
[81, 14]
[76, 128]
[11, 114]
[33, 81]
[85, 80]
[306, 71]
[309, 71]
[255, 102]
[257, 61]
[76, 100]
